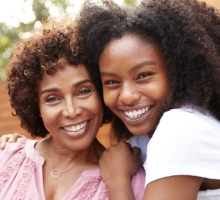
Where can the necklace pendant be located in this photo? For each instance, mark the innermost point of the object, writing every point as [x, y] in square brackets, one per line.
[56, 173]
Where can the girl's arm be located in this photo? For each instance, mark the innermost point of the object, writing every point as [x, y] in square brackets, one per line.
[117, 165]
[9, 138]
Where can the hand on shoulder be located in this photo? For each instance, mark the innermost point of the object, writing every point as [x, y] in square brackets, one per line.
[9, 138]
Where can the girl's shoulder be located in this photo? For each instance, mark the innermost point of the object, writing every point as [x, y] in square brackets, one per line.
[190, 118]
[186, 142]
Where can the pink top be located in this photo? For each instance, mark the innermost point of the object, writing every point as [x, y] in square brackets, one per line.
[21, 176]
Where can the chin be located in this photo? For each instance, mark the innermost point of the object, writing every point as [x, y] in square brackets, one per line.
[136, 132]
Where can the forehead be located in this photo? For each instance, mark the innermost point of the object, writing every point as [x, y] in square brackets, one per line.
[130, 50]
[67, 74]
[67, 69]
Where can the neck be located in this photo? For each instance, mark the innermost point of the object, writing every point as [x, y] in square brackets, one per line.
[59, 153]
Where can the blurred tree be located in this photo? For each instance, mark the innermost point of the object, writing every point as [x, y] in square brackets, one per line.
[41, 9]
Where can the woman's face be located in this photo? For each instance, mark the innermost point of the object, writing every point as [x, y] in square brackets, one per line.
[135, 82]
[70, 107]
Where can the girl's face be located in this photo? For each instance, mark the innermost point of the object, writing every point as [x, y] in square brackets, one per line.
[135, 82]
[70, 107]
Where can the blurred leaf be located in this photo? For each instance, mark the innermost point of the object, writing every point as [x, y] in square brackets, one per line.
[130, 2]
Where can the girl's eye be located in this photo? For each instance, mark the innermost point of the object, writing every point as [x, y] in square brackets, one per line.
[144, 75]
[112, 82]
[51, 99]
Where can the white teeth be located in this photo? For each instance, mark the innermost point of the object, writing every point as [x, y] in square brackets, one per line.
[136, 113]
[75, 128]
[78, 127]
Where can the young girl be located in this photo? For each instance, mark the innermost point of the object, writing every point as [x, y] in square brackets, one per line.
[160, 70]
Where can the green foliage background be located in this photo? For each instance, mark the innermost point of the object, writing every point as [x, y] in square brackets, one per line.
[8, 36]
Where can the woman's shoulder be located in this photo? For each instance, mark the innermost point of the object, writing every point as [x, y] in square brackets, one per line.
[15, 146]
[18, 150]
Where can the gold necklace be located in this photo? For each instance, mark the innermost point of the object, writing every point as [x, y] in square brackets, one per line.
[56, 173]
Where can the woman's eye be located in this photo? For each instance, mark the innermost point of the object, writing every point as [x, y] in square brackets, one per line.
[86, 91]
[51, 99]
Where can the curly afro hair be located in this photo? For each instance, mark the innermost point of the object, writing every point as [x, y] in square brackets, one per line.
[48, 49]
[187, 31]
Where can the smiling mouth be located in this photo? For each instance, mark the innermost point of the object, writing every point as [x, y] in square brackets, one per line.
[134, 114]
[76, 127]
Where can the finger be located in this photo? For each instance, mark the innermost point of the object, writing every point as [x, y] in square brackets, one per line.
[2, 144]
[3, 140]
[14, 137]
[128, 145]
[136, 151]
[6, 138]
[17, 135]
[11, 140]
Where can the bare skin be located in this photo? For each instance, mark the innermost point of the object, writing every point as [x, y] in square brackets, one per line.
[58, 188]
[122, 177]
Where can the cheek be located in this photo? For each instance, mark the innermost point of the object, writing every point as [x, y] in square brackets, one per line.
[110, 98]
[49, 117]
[96, 107]
[163, 90]
[156, 90]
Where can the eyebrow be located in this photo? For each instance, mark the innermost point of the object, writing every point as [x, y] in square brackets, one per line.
[49, 90]
[82, 82]
[140, 65]
[136, 67]
[74, 85]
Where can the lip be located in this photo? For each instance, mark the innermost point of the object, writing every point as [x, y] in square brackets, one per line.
[76, 132]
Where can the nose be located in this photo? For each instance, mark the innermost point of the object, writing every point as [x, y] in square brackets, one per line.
[129, 94]
[71, 109]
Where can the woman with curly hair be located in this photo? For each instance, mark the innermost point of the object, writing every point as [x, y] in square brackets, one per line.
[160, 72]
[52, 92]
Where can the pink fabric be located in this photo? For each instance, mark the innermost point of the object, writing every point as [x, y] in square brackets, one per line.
[137, 183]
[21, 177]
